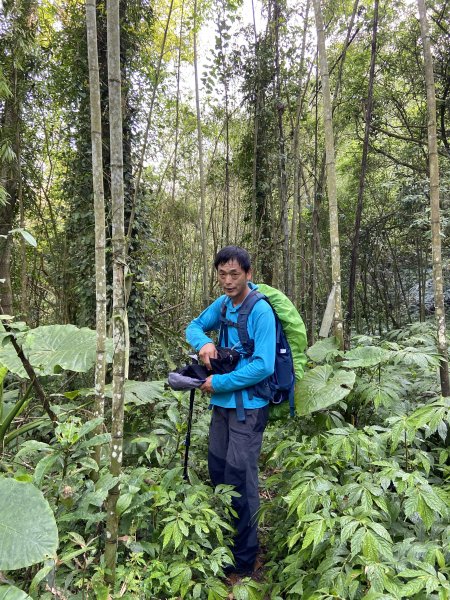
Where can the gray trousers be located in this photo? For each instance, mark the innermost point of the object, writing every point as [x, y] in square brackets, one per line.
[234, 448]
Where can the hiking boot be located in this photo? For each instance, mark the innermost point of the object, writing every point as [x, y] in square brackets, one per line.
[235, 570]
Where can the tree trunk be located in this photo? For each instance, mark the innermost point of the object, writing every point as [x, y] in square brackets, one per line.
[297, 222]
[16, 77]
[331, 176]
[362, 177]
[279, 107]
[99, 214]
[205, 294]
[434, 201]
[177, 108]
[118, 250]
[147, 131]
[255, 140]
[315, 220]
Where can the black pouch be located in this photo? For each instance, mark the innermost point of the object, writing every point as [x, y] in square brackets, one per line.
[226, 361]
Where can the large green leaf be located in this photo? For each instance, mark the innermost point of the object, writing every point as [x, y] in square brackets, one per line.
[321, 387]
[366, 356]
[323, 350]
[10, 592]
[136, 392]
[54, 348]
[140, 392]
[28, 532]
[10, 360]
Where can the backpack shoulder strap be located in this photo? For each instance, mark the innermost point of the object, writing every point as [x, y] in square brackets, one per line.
[223, 331]
[248, 345]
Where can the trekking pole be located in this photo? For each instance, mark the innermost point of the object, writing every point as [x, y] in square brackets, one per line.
[188, 435]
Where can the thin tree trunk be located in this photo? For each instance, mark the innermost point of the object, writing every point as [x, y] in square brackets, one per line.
[279, 106]
[177, 118]
[23, 246]
[399, 279]
[434, 201]
[315, 217]
[147, 131]
[99, 214]
[297, 222]
[362, 177]
[221, 17]
[331, 176]
[118, 249]
[255, 138]
[227, 167]
[201, 170]
[421, 280]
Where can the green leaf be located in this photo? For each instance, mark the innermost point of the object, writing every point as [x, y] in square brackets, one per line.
[40, 575]
[381, 531]
[323, 350]
[413, 587]
[10, 592]
[167, 533]
[143, 392]
[26, 236]
[314, 534]
[44, 466]
[240, 591]
[321, 387]
[349, 526]
[123, 503]
[28, 532]
[89, 426]
[370, 546]
[53, 348]
[365, 356]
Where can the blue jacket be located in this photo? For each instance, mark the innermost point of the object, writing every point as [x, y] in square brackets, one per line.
[261, 328]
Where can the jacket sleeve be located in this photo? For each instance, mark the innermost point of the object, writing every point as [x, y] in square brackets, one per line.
[208, 320]
[263, 361]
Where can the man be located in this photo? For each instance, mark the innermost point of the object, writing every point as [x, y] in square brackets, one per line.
[240, 409]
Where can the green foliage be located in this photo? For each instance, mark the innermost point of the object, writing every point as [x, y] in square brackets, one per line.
[10, 592]
[321, 387]
[52, 349]
[363, 511]
[174, 536]
[28, 532]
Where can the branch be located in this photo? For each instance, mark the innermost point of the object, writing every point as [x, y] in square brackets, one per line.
[31, 374]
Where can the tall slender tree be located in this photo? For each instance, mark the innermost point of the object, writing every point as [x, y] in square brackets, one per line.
[204, 247]
[119, 257]
[279, 108]
[16, 45]
[331, 175]
[99, 211]
[362, 177]
[434, 201]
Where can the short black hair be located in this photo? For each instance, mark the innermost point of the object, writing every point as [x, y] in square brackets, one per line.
[240, 255]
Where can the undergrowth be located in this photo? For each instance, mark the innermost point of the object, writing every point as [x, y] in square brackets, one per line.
[356, 493]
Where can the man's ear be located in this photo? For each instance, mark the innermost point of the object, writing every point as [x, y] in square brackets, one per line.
[249, 275]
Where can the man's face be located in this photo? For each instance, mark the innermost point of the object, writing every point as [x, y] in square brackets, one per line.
[233, 280]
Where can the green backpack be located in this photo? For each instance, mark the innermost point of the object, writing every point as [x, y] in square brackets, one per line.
[295, 333]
